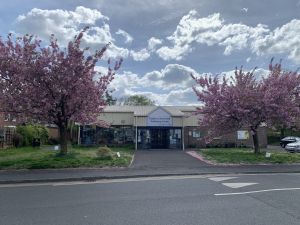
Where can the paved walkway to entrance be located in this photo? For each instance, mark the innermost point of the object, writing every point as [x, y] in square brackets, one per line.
[165, 159]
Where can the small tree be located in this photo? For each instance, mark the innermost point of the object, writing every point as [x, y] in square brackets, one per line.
[109, 99]
[50, 84]
[242, 101]
[138, 100]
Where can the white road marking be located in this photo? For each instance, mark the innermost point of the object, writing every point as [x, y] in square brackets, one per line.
[237, 185]
[258, 191]
[217, 179]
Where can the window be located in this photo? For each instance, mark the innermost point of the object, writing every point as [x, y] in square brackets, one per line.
[175, 138]
[196, 134]
[8, 118]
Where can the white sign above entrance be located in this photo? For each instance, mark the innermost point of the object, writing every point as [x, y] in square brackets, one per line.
[159, 118]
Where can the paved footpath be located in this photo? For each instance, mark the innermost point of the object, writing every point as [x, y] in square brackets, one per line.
[165, 159]
[145, 164]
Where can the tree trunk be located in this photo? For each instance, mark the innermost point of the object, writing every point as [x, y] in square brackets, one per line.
[282, 133]
[255, 141]
[63, 140]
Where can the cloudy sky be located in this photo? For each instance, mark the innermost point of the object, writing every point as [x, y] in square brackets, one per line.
[163, 41]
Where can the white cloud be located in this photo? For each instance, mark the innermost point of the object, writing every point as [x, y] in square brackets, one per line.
[177, 52]
[213, 30]
[186, 33]
[128, 37]
[153, 43]
[283, 40]
[170, 77]
[171, 85]
[141, 55]
[181, 97]
[66, 24]
[145, 53]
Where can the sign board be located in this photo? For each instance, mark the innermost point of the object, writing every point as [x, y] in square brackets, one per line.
[242, 134]
[159, 118]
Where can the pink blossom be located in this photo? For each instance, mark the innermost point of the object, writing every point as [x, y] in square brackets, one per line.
[242, 101]
[50, 84]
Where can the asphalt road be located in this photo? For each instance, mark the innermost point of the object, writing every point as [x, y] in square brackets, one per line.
[187, 200]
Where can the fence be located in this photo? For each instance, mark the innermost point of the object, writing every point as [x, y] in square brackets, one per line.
[6, 136]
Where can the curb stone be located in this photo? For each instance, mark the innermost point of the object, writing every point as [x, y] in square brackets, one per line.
[95, 178]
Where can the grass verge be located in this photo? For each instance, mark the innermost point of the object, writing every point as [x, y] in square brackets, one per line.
[41, 158]
[246, 156]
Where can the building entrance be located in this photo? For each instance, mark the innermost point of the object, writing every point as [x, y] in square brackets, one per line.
[159, 138]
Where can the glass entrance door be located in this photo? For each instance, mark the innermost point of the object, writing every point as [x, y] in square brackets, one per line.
[159, 138]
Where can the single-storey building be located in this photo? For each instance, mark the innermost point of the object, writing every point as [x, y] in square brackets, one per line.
[159, 127]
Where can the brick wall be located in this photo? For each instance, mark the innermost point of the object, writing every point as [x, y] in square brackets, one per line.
[192, 141]
[53, 132]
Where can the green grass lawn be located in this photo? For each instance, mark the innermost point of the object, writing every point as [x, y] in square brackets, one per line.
[246, 156]
[39, 158]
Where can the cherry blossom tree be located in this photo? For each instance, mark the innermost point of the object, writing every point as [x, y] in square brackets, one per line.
[52, 84]
[241, 101]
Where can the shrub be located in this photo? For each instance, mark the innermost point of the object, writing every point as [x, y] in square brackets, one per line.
[42, 133]
[30, 132]
[105, 153]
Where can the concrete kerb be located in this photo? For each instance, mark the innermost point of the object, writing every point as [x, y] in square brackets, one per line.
[96, 178]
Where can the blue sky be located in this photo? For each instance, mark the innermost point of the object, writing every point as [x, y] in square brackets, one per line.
[162, 42]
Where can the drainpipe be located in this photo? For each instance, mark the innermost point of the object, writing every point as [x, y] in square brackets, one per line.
[182, 138]
[136, 134]
[78, 136]
[182, 133]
